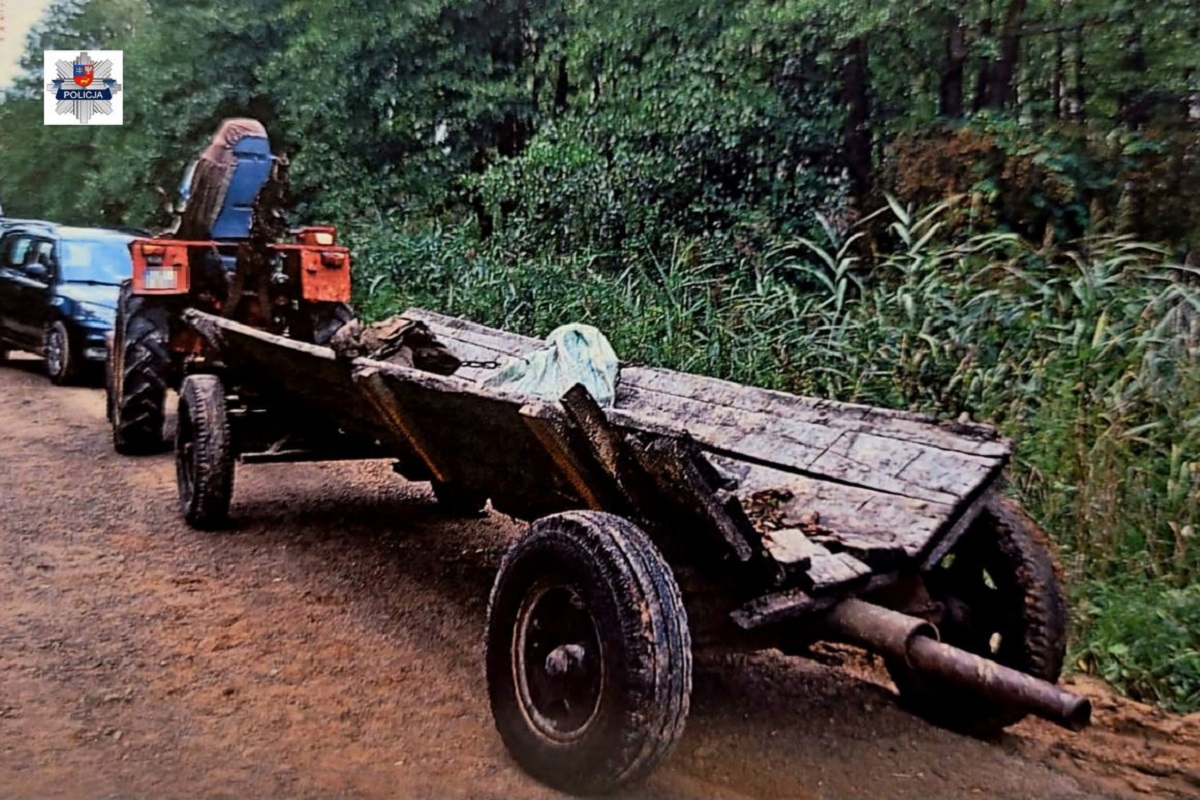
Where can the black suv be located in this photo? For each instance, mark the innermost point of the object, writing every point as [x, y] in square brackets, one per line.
[58, 292]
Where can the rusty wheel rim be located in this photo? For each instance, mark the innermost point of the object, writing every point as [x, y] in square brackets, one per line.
[558, 662]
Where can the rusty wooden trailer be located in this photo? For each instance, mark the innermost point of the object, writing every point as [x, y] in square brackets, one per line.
[693, 511]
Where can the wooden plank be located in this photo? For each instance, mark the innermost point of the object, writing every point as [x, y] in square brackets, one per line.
[864, 459]
[669, 464]
[862, 516]
[297, 374]
[790, 547]
[946, 542]
[879, 553]
[837, 572]
[778, 607]
[548, 424]
[464, 330]
[969, 438]
[587, 415]
[799, 448]
[807, 423]
[376, 391]
[480, 437]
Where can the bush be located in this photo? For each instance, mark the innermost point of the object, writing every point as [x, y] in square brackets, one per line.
[1161, 662]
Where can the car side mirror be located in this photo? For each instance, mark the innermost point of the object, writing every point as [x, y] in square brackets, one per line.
[38, 272]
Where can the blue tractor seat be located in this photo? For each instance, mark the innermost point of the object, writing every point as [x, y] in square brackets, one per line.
[253, 167]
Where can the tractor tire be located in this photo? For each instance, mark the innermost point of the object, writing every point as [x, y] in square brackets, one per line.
[62, 362]
[204, 465]
[140, 375]
[589, 661]
[1000, 588]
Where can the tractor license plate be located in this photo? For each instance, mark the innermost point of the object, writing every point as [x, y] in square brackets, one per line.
[160, 279]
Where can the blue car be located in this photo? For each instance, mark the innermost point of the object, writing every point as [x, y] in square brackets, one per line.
[58, 293]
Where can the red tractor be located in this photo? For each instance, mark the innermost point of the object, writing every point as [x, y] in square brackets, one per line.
[230, 254]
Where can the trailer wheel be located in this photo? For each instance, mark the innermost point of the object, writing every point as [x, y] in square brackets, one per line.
[203, 453]
[1002, 600]
[589, 662]
[140, 375]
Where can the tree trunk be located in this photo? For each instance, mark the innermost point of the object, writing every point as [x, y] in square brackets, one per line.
[1058, 78]
[1002, 80]
[983, 80]
[1079, 95]
[1133, 103]
[562, 87]
[950, 95]
[857, 132]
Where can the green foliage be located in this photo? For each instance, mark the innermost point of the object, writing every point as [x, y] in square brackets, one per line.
[1161, 664]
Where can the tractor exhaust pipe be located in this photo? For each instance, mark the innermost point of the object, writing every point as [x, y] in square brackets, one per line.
[916, 642]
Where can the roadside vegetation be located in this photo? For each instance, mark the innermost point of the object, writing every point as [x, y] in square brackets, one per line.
[986, 207]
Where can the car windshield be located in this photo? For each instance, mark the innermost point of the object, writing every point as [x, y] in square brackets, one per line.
[99, 260]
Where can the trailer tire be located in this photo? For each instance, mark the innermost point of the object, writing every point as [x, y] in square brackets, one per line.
[589, 661]
[1013, 613]
[141, 375]
[203, 453]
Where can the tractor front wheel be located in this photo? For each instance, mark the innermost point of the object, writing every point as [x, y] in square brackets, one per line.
[203, 453]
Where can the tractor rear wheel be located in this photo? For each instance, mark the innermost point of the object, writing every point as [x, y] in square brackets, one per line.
[140, 375]
[203, 452]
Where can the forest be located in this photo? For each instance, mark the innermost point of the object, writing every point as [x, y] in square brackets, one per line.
[988, 207]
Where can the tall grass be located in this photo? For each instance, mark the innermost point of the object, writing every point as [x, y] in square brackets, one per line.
[1085, 354]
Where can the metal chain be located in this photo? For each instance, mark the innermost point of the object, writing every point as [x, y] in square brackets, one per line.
[478, 364]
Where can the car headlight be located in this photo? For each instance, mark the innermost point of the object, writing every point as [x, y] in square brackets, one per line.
[93, 312]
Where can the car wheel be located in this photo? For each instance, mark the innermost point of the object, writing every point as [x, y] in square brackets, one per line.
[56, 349]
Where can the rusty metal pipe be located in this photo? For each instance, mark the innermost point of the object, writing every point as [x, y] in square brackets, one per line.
[915, 642]
[877, 628]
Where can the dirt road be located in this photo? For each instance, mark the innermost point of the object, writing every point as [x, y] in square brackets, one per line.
[330, 646]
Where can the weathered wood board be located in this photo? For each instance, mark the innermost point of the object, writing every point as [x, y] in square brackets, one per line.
[850, 490]
[881, 484]
[307, 376]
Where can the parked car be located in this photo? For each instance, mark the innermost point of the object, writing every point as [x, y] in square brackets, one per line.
[58, 293]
